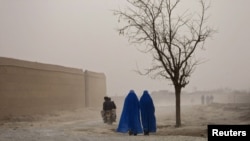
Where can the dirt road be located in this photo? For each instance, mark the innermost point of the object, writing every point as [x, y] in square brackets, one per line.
[87, 125]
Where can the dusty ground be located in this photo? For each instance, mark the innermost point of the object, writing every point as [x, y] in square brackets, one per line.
[86, 124]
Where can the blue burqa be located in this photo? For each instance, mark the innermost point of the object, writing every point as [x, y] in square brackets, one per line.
[130, 117]
[147, 112]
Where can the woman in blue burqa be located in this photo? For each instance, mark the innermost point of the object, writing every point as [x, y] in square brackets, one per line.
[130, 117]
[147, 113]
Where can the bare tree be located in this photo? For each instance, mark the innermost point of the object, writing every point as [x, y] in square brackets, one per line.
[171, 38]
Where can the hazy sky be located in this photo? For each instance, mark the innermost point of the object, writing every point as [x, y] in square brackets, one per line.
[82, 34]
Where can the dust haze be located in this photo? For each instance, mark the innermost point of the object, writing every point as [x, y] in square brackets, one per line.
[227, 107]
[82, 34]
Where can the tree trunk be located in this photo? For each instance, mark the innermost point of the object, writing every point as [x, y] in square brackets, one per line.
[178, 105]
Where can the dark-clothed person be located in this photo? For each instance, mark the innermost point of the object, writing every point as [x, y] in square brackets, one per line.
[147, 113]
[108, 112]
[107, 104]
[130, 117]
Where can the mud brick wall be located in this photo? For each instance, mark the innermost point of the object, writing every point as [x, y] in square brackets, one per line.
[95, 88]
[28, 88]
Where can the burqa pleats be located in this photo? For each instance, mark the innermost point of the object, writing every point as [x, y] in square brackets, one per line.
[130, 117]
[147, 112]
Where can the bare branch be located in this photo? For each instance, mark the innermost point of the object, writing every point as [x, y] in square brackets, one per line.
[171, 38]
